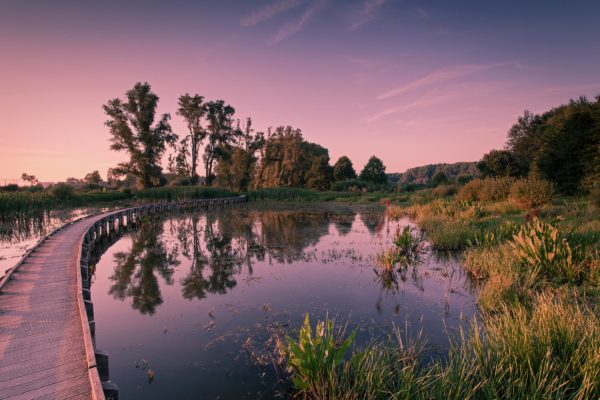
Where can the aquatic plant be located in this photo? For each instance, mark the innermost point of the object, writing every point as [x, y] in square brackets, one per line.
[313, 359]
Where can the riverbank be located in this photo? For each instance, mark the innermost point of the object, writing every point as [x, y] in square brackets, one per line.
[538, 274]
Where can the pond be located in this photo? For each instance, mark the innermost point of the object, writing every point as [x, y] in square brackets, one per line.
[198, 298]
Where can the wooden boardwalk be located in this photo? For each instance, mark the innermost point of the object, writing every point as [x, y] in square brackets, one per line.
[42, 351]
[46, 316]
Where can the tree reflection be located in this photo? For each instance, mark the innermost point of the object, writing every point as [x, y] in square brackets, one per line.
[135, 273]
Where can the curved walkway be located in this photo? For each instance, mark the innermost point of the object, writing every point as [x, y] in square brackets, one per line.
[45, 340]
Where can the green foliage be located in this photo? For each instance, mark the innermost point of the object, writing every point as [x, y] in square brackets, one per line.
[439, 178]
[63, 191]
[374, 171]
[192, 109]
[531, 192]
[320, 174]
[315, 359]
[562, 145]
[132, 129]
[545, 254]
[498, 163]
[221, 134]
[343, 169]
[286, 159]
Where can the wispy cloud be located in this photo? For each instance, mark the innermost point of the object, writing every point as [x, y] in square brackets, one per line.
[269, 11]
[451, 93]
[442, 75]
[366, 14]
[573, 88]
[292, 27]
[427, 101]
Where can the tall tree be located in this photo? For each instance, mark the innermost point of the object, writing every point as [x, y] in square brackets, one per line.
[220, 134]
[343, 169]
[132, 129]
[236, 170]
[192, 109]
[374, 171]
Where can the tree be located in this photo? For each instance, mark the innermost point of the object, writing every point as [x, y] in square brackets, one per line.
[220, 134]
[236, 170]
[93, 178]
[498, 163]
[132, 129]
[439, 179]
[343, 169]
[320, 174]
[569, 150]
[192, 109]
[524, 139]
[286, 159]
[31, 179]
[374, 171]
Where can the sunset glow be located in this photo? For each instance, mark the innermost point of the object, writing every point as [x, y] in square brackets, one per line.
[411, 82]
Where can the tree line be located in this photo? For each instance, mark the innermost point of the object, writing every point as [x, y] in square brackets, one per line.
[233, 154]
[561, 145]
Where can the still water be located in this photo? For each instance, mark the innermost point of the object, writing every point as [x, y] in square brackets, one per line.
[197, 298]
[19, 233]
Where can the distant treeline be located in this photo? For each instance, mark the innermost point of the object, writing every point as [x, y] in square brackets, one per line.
[457, 172]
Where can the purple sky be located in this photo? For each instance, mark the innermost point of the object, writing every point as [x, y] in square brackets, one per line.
[411, 82]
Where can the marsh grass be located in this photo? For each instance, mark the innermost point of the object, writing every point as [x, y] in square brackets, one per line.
[550, 350]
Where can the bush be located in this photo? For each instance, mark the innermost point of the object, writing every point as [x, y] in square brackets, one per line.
[11, 187]
[470, 191]
[489, 189]
[62, 191]
[531, 192]
[351, 185]
[444, 191]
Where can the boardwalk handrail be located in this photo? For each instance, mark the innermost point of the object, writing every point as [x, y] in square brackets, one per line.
[97, 361]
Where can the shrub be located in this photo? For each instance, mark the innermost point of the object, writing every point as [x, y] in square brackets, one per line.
[531, 192]
[489, 189]
[444, 191]
[62, 191]
[470, 191]
[494, 189]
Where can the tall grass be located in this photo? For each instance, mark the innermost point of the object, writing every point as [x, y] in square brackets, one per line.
[26, 201]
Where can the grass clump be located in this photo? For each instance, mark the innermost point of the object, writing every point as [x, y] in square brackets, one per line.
[544, 253]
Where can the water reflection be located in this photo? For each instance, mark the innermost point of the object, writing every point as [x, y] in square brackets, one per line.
[136, 270]
[19, 231]
[204, 291]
